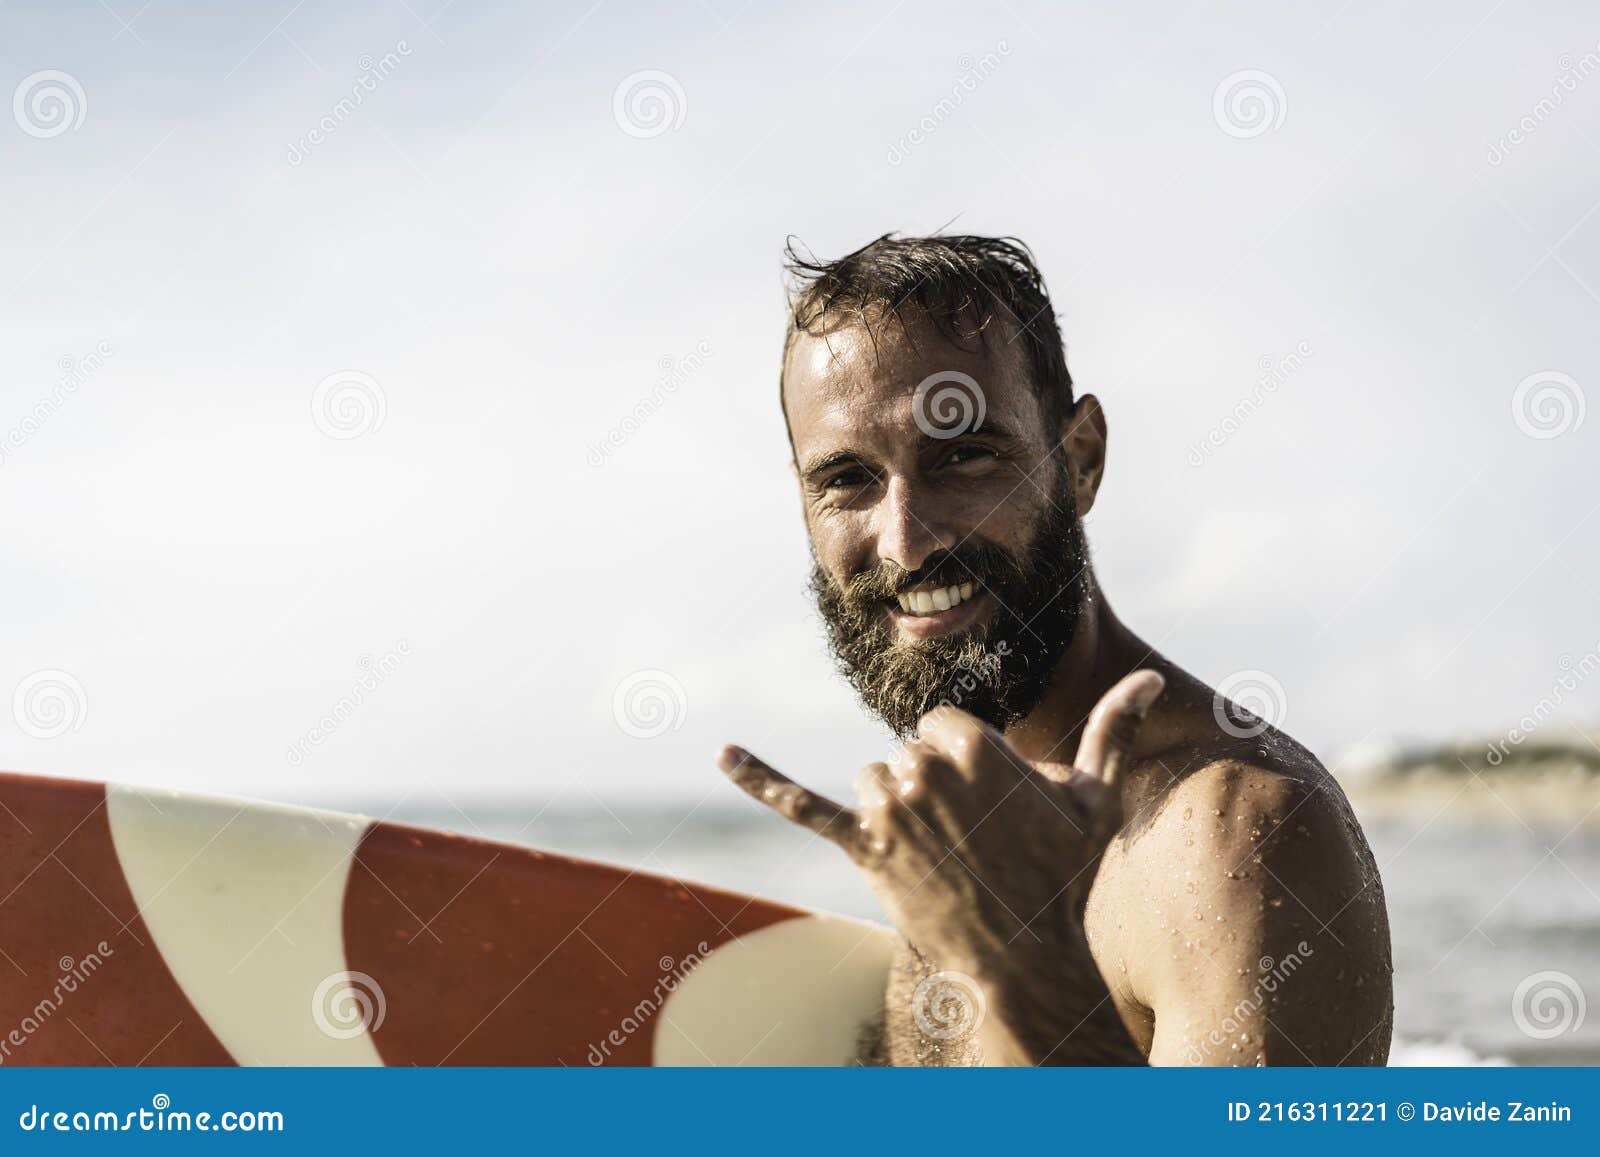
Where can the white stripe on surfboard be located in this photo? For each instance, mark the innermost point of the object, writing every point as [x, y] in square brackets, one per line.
[793, 993]
[246, 904]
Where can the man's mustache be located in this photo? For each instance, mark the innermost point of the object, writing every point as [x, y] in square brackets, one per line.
[982, 565]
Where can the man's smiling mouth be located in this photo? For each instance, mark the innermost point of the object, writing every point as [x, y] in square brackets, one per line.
[928, 601]
[930, 612]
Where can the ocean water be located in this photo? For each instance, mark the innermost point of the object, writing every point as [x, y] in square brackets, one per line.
[1495, 921]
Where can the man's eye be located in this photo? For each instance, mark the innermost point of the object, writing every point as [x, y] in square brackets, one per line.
[848, 479]
[969, 453]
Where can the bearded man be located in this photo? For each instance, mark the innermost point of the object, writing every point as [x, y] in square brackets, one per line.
[1118, 864]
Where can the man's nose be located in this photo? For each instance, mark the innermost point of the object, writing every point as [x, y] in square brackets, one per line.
[912, 527]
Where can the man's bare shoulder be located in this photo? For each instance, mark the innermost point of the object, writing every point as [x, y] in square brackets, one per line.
[1214, 781]
[1246, 790]
[1237, 858]
[1265, 825]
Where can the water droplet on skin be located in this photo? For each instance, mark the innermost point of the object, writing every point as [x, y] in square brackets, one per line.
[1189, 887]
[1188, 813]
[1233, 1048]
[1276, 901]
[1216, 811]
[1222, 919]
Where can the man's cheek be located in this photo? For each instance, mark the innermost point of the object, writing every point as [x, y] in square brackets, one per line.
[840, 555]
[999, 508]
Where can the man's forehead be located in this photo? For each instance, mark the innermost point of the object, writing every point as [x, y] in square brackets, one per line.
[852, 373]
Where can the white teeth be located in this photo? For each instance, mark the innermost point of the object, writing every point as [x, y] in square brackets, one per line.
[932, 602]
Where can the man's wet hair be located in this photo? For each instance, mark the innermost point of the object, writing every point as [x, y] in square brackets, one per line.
[969, 287]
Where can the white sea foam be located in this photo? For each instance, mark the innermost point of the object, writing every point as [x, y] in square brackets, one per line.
[1404, 1054]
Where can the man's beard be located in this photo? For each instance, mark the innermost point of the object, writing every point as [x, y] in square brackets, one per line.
[998, 671]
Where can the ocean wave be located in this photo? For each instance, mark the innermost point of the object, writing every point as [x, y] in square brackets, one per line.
[1411, 1054]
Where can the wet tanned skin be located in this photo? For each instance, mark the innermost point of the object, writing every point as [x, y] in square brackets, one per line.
[1125, 880]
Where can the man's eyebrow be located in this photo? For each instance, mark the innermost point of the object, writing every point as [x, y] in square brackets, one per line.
[988, 429]
[820, 462]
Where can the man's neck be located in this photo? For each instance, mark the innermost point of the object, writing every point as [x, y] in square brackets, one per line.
[1101, 652]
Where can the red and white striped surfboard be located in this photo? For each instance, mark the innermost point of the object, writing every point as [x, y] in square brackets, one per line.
[161, 928]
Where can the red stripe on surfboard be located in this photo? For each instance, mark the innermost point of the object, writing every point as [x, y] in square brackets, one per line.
[491, 955]
[64, 1001]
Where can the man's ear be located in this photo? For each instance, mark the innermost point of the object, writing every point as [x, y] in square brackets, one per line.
[1083, 432]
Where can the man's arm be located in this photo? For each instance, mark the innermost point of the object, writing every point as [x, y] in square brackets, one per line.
[1270, 940]
[1048, 1005]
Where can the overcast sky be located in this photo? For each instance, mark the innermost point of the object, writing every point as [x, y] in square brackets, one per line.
[340, 315]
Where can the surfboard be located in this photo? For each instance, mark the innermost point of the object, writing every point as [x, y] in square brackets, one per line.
[142, 927]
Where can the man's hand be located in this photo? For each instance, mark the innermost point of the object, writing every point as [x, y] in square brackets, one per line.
[982, 862]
